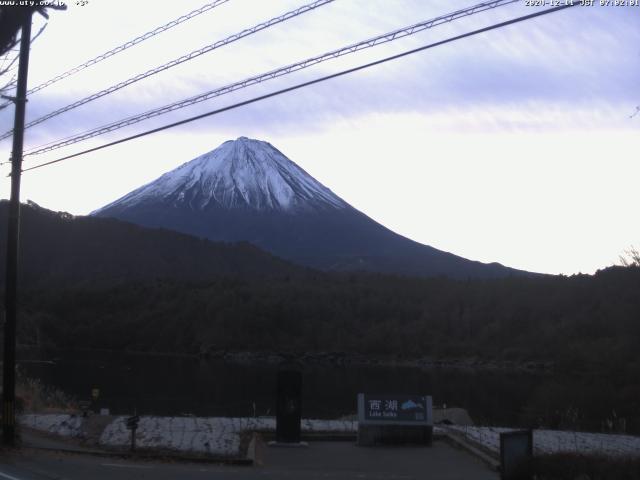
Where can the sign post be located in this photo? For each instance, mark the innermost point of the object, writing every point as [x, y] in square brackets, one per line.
[132, 424]
[95, 394]
[84, 407]
[388, 418]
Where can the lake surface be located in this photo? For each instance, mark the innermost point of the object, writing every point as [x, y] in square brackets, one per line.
[165, 385]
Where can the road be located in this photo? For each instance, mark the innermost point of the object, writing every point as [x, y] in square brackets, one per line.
[321, 460]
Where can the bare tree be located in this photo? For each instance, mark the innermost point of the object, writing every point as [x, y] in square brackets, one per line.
[8, 73]
[11, 18]
[630, 257]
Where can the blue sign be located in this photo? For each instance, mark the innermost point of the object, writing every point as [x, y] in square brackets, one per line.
[383, 409]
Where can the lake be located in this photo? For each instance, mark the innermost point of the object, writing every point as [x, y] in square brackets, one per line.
[170, 385]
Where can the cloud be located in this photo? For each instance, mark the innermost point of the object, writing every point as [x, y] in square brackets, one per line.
[531, 111]
[574, 60]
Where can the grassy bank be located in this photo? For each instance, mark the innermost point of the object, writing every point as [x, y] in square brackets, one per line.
[32, 395]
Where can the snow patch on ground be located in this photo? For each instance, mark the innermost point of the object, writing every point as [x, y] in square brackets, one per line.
[221, 436]
[59, 424]
[553, 441]
[216, 436]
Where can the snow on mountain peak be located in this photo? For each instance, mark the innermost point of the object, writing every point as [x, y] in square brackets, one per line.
[242, 173]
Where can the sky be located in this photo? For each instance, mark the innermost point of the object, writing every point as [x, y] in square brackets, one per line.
[517, 146]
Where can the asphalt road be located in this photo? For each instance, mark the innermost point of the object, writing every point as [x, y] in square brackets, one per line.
[321, 460]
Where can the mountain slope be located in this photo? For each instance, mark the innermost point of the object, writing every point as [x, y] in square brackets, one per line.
[66, 251]
[241, 174]
[246, 190]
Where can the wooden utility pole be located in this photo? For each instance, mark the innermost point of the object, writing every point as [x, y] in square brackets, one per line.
[10, 297]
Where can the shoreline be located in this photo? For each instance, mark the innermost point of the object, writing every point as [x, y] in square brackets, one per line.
[308, 359]
[342, 359]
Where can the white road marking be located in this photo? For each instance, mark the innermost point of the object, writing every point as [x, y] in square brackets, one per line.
[121, 465]
[9, 477]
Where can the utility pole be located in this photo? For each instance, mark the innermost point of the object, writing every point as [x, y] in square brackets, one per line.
[10, 297]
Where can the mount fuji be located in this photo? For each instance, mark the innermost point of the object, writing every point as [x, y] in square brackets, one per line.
[247, 190]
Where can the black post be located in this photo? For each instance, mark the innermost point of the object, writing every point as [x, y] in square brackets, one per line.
[289, 404]
[10, 298]
[132, 424]
[133, 439]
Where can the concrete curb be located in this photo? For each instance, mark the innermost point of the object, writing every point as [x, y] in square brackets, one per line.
[142, 455]
[460, 442]
[254, 455]
[66, 446]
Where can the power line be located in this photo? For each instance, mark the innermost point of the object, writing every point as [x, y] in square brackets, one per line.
[371, 42]
[13, 81]
[129, 44]
[306, 84]
[184, 58]
[124, 46]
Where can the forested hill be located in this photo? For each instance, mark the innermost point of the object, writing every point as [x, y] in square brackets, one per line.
[103, 283]
[58, 249]
[586, 323]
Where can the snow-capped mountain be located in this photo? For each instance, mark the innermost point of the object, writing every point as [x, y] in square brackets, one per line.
[244, 173]
[247, 190]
